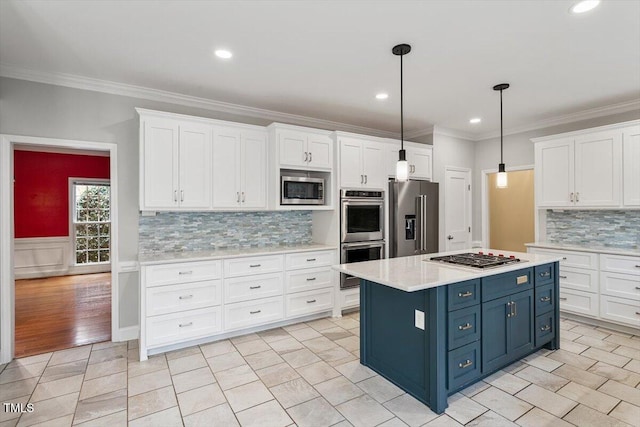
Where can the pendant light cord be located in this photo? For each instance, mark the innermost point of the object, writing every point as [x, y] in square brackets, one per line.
[501, 131]
[401, 109]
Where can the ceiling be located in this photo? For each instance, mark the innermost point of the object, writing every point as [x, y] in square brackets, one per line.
[328, 59]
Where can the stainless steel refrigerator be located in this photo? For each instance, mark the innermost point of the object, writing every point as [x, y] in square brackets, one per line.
[413, 218]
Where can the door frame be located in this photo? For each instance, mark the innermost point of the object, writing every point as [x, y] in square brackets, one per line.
[485, 199]
[443, 242]
[7, 280]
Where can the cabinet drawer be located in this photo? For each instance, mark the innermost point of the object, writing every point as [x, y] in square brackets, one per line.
[572, 258]
[545, 299]
[254, 265]
[579, 279]
[463, 294]
[251, 313]
[178, 327]
[544, 274]
[620, 285]
[349, 298]
[169, 274]
[309, 302]
[309, 259]
[464, 326]
[620, 310]
[463, 365]
[545, 328]
[309, 279]
[252, 287]
[506, 283]
[579, 302]
[620, 264]
[187, 296]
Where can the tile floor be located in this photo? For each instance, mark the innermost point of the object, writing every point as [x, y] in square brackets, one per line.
[308, 374]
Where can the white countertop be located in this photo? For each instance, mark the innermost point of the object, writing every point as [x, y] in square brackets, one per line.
[185, 256]
[600, 249]
[413, 273]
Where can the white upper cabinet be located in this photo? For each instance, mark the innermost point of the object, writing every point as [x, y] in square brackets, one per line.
[419, 157]
[361, 163]
[175, 165]
[299, 149]
[598, 172]
[554, 173]
[631, 166]
[254, 170]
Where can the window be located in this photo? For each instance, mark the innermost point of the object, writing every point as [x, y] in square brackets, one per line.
[91, 221]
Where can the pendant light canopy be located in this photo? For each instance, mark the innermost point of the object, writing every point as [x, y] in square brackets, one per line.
[402, 167]
[501, 181]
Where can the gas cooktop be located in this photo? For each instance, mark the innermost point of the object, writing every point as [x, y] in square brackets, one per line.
[477, 260]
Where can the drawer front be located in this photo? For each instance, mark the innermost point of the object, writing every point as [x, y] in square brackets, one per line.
[463, 294]
[187, 296]
[306, 280]
[544, 274]
[579, 302]
[506, 283]
[252, 287]
[251, 313]
[178, 327]
[169, 274]
[620, 285]
[303, 303]
[253, 265]
[620, 310]
[464, 326]
[463, 365]
[545, 328]
[309, 259]
[572, 258]
[544, 299]
[350, 298]
[620, 264]
[579, 279]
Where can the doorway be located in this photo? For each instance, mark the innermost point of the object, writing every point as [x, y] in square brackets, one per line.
[457, 208]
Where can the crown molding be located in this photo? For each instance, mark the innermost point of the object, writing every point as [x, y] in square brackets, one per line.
[419, 132]
[123, 89]
[439, 130]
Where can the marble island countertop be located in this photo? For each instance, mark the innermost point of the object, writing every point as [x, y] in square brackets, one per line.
[602, 249]
[415, 273]
[185, 256]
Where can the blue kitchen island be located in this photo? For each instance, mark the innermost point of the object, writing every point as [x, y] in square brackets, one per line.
[433, 328]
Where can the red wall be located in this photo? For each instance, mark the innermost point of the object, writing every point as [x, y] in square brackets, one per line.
[41, 189]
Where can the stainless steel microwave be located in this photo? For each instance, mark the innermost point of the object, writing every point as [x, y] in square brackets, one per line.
[300, 190]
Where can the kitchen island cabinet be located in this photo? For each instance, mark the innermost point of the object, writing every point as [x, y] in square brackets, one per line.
[433, 329]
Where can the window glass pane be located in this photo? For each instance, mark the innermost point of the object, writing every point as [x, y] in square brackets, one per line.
[105, 215]
[104, 256]
[81, 257]
[104, 229]
[93, 243]
[92, 216]
[81, 243]
[93, 256]
[81, 230]
[104, 242]
[92, 229]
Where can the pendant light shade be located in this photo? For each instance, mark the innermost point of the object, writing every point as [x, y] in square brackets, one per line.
[402, 167]
[501, 181]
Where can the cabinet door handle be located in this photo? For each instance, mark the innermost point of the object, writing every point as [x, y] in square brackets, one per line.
[255, 287]
[175, 195]
[185, 296]
[571, 197]
[465, 326]
[310, 279]
[306, 157]
[182, 195]
[243, 197]
[510, 313]
[365, 179]
[465, 364]
[464, 294]
[577, 197]
[562, 299]
[545, 328]
[254, 265]
[255, 312]
[184, 325]
[361, 179]
[515, 309]
[545, 299]
[182, 273]
[311, 301]
[310, 156]
[237, 196]
[562, 277]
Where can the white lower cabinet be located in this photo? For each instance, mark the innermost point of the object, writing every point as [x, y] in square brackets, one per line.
[183, 326]
[252, 313]
[303, 303]
[350, 298]
[308, 279]
[181, 297]
[585, 303]
[239, 289]
[620, 310]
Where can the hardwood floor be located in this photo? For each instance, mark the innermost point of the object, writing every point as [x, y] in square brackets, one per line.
[62, 312]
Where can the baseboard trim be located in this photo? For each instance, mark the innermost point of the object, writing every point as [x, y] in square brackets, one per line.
[127, 334]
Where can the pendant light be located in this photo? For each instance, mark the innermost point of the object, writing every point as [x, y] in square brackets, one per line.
[402, 167]
[501, 181]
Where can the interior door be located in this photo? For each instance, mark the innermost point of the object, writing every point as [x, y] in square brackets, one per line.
[195, 166]
[254, 173]
[457, 209]
[226, 168]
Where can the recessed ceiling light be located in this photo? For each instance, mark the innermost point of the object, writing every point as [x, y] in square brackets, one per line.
[584, 6]
[223, 53]
[475, 120]
[382, 95]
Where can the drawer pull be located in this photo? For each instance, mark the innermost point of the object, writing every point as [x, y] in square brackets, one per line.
[465, 326]
[638, 288]
[184, 325]
[310, 259]
[637, 266]
[520, 280]
[311, 279]
[255, 312]
[564, 258]
[545, 299]
[465, 294]
[185, 272]
[254, 265]
[562, 277]
[545, 274]
[255, 287]
[185, 296]
[562, 299]
[545, 328]
[466, 364]
[311, 301]
[638, 313]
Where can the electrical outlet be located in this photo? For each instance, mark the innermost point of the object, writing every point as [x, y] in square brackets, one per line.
[420, 319]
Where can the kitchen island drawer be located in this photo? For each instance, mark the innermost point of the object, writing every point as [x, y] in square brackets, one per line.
[464, 365]
[579, 302]
[545, 328]
[463, 294]
[252, 313]
[620, 285]
[253, 265]
[168, 274]
[303, 303]
[506, 283]
[186, 325]
[306, 280]
[545, 299]
[253, 287]
[544, 274]
[579, 279]
[464, 326]
[572, 258]
[309, 259]
[620, 264]
[187, 296]
[620, 310]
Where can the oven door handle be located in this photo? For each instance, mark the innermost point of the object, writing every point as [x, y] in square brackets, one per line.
[362, 245]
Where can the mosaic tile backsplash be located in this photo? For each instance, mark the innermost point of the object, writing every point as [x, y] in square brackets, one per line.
[197, 231]
[617, 229]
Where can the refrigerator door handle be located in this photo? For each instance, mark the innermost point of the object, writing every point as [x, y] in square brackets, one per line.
[421, 223]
